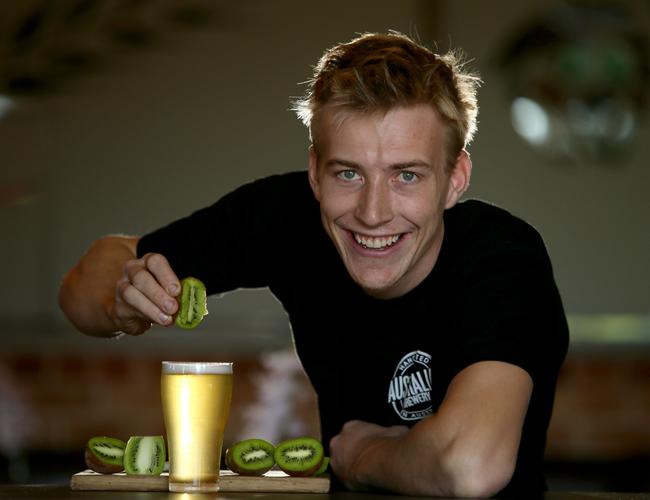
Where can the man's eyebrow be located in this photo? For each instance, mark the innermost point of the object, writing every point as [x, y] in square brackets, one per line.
[395, 166]
[345, 163]
[409, 164]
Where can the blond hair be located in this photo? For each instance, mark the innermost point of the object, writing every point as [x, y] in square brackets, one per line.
[377, 72]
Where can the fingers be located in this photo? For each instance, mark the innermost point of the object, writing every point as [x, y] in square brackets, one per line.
[146, 294]
[335, 453]
[128, 320]
[343, 459]
[159, 267]
[154, 278]
[142, 306]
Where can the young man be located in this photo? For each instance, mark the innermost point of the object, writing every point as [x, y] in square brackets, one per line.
[431, 330]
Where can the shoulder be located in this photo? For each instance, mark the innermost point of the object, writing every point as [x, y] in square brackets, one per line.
[487, 228]
[291, 184]
[272, 205]
[504, 279]
[267, 197]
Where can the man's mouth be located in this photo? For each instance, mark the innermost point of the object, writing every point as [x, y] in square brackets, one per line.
[376, 242]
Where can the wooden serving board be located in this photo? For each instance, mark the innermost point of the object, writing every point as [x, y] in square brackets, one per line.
[271, 482]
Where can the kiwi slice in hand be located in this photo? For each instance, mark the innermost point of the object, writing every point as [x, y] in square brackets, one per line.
[145, 455]
[105, 454]
[300, 456]
[250, 457]
[192, 303]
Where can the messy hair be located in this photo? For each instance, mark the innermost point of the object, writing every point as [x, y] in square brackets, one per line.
[377, 72]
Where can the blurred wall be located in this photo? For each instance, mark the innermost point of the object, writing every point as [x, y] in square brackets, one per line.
[153, 133]
[594, 218]
[157, 132]
[161, 131]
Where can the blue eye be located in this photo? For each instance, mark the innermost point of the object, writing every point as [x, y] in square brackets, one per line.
[348, 175]
[407, 176]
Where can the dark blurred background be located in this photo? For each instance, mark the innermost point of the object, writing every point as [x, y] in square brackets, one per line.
[117, 116]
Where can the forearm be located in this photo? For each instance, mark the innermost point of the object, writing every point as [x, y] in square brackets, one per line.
[406, 464]
[87, 293]
[468, 448]
[423, 462]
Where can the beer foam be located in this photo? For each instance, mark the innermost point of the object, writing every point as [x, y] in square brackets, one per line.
[198, 368]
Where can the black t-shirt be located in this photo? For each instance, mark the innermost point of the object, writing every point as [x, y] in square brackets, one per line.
[490, 296]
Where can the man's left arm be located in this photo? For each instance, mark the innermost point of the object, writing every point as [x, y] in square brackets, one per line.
[467, 449]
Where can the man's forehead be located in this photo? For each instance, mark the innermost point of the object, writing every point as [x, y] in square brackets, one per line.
[406, 130]
[333, 119]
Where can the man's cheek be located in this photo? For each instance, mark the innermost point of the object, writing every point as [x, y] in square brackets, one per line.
[337, 204]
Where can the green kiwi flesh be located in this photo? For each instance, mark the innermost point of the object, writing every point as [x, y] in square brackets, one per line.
[300, 456]
[192, 303]
[250, 457]
[105, 454]
[144, 455]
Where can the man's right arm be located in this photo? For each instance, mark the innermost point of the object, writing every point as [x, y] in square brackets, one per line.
[110, 290]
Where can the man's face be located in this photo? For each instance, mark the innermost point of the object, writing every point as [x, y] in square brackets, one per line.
[382, 189]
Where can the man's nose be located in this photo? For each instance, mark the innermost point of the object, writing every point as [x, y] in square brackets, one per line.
[375, 204]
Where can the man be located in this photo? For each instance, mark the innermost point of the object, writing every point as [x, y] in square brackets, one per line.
[432, 330]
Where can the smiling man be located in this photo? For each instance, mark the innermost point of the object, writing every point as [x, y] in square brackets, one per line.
[430, 328]
[383, 187]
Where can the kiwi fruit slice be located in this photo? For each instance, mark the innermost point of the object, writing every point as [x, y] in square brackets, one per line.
[250, 457]
[299, 457]
[323, 466]
[144, 455]
[105, 454]
[192, 303]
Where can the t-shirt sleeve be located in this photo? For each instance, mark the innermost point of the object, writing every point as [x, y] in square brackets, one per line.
[234, 243]
[511, 311]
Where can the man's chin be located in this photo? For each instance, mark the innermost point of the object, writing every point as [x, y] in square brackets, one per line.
[377, 279]
[380, 289]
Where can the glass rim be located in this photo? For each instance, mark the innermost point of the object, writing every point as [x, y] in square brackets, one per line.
[197, 367]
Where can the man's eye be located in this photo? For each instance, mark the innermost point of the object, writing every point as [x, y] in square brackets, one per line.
[407, 176]
[348, 175]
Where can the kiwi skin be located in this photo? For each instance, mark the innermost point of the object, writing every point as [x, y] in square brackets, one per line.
[234, 461]
[323, 466]
[133, 448]
[96, 462]
[296, 469]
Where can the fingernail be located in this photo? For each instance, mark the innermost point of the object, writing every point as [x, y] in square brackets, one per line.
[173, 288]
[169, 306]
[164, 318]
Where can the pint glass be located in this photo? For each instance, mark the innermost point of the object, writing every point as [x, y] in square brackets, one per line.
[196, 402]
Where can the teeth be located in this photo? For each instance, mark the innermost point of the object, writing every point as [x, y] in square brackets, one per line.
[376, 243]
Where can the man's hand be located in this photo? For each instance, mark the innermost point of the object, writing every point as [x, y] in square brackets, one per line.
[145, 294]
[110, 290]
[356, 440]
[468, 448]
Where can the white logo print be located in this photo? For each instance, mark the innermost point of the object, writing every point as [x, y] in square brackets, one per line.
[409, 390]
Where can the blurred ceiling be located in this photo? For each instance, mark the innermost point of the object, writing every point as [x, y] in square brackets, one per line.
[42, 42]
[578, 76]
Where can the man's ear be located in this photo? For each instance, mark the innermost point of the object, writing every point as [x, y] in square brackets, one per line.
[459, 178]
[313, 172]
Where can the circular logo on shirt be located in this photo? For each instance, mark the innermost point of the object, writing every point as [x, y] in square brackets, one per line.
[409, 391]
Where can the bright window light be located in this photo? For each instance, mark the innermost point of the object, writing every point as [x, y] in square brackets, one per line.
[5, 105]
[530, 120]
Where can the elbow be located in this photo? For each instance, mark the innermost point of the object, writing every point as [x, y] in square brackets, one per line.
[64, 297]
[70, 303]
[479, 475]
[481, 482]
[67, 304]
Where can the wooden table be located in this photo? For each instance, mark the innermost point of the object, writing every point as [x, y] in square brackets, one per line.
[65, 493]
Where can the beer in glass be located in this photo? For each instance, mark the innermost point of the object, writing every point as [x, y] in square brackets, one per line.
[196, 402]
